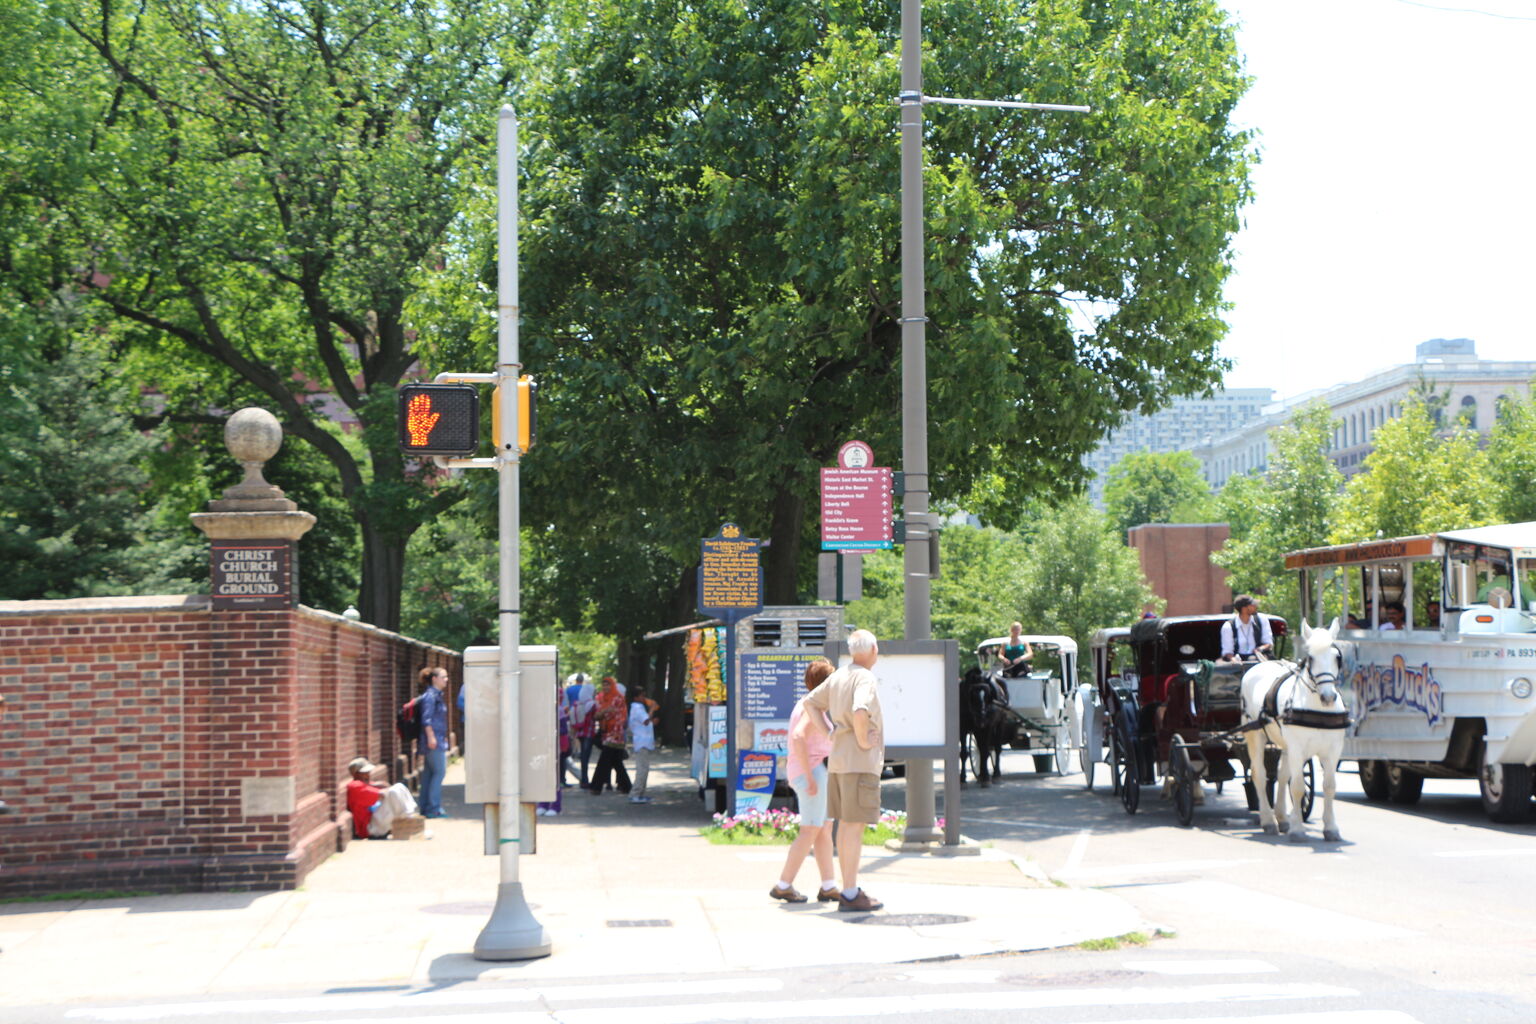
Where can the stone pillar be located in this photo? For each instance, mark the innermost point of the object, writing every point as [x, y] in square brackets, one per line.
[254, 529]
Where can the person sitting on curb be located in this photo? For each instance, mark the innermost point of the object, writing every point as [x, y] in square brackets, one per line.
[374, 810]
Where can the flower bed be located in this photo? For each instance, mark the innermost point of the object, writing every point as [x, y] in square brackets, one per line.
[768, 828]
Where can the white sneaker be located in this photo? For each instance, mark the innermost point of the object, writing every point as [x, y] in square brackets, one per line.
[639, 799]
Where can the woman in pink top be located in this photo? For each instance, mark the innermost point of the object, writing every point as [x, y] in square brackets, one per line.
[810, 741]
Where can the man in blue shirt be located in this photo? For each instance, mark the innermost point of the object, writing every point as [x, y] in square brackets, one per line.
[432, 712]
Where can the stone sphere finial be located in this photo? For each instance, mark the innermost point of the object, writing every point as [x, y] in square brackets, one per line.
[253, 436]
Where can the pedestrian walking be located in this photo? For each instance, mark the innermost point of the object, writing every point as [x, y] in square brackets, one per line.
[810, 741]
[432, 709]
[851, 699]
[612, 718]
[582, 696]
[642, 732]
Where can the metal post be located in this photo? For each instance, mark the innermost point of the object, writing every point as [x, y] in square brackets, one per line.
[914, 393]
[732, 716]
[512, 933]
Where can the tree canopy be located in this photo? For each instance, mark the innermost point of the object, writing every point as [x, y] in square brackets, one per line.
[1293, 507]
[1157, 487]
[287, 202]
[258, 191]
[712, 279]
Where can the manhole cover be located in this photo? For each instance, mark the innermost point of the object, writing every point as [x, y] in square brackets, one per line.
[906, 919]
[651, 922]
[462, 908]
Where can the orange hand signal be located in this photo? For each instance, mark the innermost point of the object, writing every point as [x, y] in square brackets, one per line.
[420, 419]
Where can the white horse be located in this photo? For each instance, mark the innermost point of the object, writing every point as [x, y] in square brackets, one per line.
[1306, 719]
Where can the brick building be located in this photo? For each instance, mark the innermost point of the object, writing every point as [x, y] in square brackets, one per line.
[1176, 560]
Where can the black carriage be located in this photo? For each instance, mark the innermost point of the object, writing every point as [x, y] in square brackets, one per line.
[1165, 709]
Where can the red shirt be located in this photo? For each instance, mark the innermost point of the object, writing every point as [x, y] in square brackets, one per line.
[360, 800]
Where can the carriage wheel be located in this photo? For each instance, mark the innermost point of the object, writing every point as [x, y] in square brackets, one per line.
[1116, 762]
[1309, 792]
[974, 756]
[1063, 750]
[1184, 783]
[1130, 779]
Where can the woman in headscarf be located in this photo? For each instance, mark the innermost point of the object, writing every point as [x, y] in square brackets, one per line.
[612, 717]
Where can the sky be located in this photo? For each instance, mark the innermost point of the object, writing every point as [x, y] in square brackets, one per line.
[1395, 200]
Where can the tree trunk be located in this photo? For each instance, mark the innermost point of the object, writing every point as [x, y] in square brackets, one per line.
[781, 571]
[682, 606]
[383, 577]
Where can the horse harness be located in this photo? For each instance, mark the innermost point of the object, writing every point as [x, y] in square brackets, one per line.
[1307, 718]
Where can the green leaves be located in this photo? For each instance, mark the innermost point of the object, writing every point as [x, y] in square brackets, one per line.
[1157, 487]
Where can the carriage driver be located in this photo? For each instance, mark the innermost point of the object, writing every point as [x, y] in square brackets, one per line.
[1016, 654]
[1246, 635]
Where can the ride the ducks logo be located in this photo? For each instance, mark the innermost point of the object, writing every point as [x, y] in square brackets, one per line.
[1398, 685]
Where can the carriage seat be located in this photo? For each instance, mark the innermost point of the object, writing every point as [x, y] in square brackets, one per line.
[1220, 687]
[1154, 688]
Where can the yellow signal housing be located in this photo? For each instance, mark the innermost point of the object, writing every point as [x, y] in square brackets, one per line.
[527, 413]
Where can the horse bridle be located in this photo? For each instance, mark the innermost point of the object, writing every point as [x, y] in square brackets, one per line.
[1314, 682]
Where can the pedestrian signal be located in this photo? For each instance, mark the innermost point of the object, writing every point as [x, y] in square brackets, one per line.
[439, 419]
[527, 414]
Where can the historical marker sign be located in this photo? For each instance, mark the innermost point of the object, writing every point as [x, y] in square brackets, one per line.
[855, 501]
[730, 575]
[252, 574]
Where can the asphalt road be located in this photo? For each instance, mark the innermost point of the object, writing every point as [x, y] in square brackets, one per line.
[1432, 895]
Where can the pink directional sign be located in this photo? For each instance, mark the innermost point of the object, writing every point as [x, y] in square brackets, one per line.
[855, 502]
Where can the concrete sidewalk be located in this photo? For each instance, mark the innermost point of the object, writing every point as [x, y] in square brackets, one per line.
[621, 888]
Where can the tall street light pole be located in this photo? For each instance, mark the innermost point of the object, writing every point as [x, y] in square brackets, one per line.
[917, 559]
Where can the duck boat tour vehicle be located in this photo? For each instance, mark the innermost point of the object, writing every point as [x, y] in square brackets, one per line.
[1439, 645]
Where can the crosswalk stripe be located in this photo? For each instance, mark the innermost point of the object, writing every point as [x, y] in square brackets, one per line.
[949, 1002]
[1191, 967]
[1312, 1017]
[428, 999]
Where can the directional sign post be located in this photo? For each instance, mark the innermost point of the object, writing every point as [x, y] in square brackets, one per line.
[730, 589]
[855, 501]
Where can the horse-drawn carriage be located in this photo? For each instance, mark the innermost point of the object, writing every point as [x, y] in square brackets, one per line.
[1027, 709]
[1165, 708]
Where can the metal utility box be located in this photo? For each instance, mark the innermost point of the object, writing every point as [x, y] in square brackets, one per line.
[537, 738]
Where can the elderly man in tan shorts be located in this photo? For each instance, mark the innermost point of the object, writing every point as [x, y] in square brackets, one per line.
[851, 699]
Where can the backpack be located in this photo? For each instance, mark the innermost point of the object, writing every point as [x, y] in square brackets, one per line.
[408, 722]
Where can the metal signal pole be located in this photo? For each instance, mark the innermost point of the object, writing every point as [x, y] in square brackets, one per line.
[914, 379]
[512, 933]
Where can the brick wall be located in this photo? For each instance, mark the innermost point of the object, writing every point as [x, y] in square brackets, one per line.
[152, 743]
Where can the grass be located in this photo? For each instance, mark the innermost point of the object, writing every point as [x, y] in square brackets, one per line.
[1117, 942]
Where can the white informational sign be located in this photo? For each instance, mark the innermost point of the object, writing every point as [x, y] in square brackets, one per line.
[911, 697]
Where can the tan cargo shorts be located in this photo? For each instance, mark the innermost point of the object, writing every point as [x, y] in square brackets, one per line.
[854, 796]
